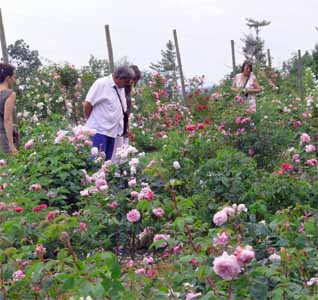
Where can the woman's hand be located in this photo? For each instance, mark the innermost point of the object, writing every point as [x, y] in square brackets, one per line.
[13, 150]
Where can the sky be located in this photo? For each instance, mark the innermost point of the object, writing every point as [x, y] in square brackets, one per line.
[71, 30]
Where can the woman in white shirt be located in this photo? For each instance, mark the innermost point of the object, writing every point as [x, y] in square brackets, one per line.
[246, 84]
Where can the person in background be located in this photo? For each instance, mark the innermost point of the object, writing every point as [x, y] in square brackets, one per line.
[129, 91]
[7, 108]
[105, 109]
[246, 84]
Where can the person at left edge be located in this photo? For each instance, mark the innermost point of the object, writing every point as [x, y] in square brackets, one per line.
[105, 106]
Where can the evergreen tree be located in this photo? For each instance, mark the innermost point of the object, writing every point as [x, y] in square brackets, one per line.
[253, 48]
[25, 60]
[168, 68]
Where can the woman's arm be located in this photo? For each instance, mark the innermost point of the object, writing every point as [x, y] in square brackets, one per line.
[8, 121]
[88, 107]
[256, 88]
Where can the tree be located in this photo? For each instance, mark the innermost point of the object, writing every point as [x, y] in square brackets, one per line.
[253, 48]
[168, 67]
[23, 58]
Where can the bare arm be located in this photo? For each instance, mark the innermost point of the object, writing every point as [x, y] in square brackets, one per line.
[256, 88]
[8, 121]
[87, 109]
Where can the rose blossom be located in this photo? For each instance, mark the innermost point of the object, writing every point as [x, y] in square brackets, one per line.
[35, 187]
[311, 162]
[82, 227]
[305, 138]
[275, 258]
[132, 182]
[113, 205]
[94, 151]
[2, 163]
[52, 215]
[226, 266]
[242, 208]
[134, 194]
[3, 206]
[310, 148]
[146, 194]
[133, 216]
[162, 237]
[221, 239]
[244, 255]
[19, 209]
[191, 295]
[18, 275]
[40, 250]
[141, 271]
[29, 144]
[39, 207]
[220, 218]
[158, 212]
[176, 165]
[296, 158]
[148, 260]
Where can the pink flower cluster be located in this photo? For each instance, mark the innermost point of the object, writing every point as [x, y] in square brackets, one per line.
[222, 216]
[305, 139]
[146, 194]
[242, 121]
[35, 187]
[194, 127]
[229, 266]
[158, 212]
[162, 237]
[18, 275]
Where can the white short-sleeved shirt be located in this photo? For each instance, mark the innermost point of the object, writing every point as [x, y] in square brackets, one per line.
[239, 82]
[107, 115]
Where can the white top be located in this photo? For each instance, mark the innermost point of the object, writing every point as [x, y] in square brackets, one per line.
[239, 81]
[107, 115]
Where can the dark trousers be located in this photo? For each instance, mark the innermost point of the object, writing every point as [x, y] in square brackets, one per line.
[104, 143]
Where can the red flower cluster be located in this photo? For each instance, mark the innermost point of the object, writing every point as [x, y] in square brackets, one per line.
[39, 208]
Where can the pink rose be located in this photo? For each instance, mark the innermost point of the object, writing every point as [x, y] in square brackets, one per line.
[18, 275]
[221, 239]
[82, 227]
[305, 138]
[148, 260]
[220, 218]
[40, 250]
[226, 266]
[191, 295]
[35, 187]
[52, 215]
[94, 152]
[311, 162]
[3, 206]
[162, 237]
[19, 209]
[133, 216]
[88, 143]
[2, 162]
[244, 255]
[134, 194]
[146, 194]
[29, 144]
[113, 205]
[132, 182]
[296, 158]
[130, 263]
[158, 212]
[141, 271]
[310, 148]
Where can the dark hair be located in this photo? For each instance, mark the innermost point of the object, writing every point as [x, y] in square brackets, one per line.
[136, 71]
[5, 71]
[124, 73]
[247, 63]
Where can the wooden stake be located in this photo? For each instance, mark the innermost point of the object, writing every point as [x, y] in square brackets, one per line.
[109, 48]
[179, 64]
[3, 41]
[269, 58]
[300, 76]
[233, 57]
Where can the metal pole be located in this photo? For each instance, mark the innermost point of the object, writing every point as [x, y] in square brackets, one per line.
[179, 64]
[3, 41]
[109, 48]
[233, 57]
[269, 58]
[300, 76]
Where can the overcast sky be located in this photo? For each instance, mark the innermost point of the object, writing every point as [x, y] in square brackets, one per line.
[71, 30]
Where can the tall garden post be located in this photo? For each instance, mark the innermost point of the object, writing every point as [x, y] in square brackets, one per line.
[179, 65]
[109, 48]
[300, 76]
[233, 57]
[269, 58]
[3, 41]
